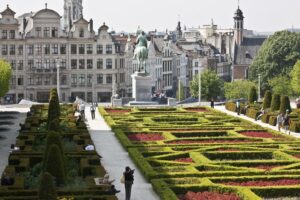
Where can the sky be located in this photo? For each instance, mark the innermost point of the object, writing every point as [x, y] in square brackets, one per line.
[127, 15]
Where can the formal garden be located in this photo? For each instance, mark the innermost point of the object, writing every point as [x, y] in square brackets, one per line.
[49, 160]
[200, 153]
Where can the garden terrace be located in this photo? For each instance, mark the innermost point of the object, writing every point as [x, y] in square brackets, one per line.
[194, 152]
[81, 166]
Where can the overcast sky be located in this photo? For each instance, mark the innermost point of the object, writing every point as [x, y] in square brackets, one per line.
[127, 15]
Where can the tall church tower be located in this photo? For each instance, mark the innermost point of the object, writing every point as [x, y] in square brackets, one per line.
[238, 26]
[72, 12]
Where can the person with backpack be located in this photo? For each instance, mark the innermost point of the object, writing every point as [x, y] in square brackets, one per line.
[128, 181]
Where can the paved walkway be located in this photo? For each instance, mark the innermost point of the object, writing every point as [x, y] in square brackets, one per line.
[222, 109]
[115, 158]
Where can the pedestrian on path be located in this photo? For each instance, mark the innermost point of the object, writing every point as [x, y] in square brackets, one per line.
[212, 103]
[128, 176]
[286, 121]
[279, 120]
[93, 111]
[238, 107]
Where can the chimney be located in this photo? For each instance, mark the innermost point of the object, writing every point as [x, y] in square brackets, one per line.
[91, 25]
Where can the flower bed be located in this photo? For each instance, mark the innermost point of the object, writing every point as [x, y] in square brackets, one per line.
[228, 150]
[208, 196]
[196, 109]
[208, 141]
[185, 160]
[145, 137]
[266, 167]
[280, 182]
[109, 110]
[260, 134]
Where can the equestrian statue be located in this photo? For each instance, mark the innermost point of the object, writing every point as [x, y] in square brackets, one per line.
[141, 51]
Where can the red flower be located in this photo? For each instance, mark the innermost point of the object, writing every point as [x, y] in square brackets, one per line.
[257, 134]
[209, 196]
[207, 141]
[187, 160]
[196, 109]
[145, 137]
[265, 183]
[108, 110]
[297, 156]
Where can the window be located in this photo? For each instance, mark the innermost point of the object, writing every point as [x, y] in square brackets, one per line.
[81, 33]
[31, 80]
[39, 80]
[4, 34]
[73, 64]
[108, 49]
[47, 80]
[81, 79]
[39, 49]
[64, 80]
[47, 64]
[81, 49]
[30, 49]
[89, 49]
[20, 50]
[39, 64]
[20, 80]
[109, 63]
[13, 64]
[108, 79]
[63, 49]
[54, 80]
[99, 49]
[89, 63]
[47, 49]
[99, 78]
[122, 61]
[12, 50]
[89, 79]
[196, 64]
[30, 64]
[4, 50]
[74, 79]
[100, 63]
[81, 64]
[73, 49]
[54, 49]
[20, 65]
[122, 77]
[38, 31]
[63, 64]
[54, 32]
[12, 34]
[46, 32]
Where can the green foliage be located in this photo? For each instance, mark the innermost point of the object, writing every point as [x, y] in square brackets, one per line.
[54, 125]
[5, 75]
[181, 95]
[47, 189]
[54, 107]
[275, 103]
[277, 56]
[295, 74]
[267, 99]
[281, 85]
[211, 85]
[53, 138]
[238, 89]
[252, 95]
[285, 104]
[54, 164]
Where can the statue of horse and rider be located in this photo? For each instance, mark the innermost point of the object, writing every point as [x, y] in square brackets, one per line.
[141, 51]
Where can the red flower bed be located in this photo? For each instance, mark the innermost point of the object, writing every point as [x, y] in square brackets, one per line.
[208, 141]
[228, 150]
[281, 182]
[297, 156]
[266, 167]
[257, 134]
[145, 137]
[117, 110]
[186, 160]
[209, 196]
[196, 109]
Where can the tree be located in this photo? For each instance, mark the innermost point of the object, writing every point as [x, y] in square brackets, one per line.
[277, 56]
[181, 92]
[252, 95]
[238, 89]
[211, 85]
[281, 85]
[5, 75]
[54, 164]
[53, 138]
[267, 99]
[54, 108]
[275, 103]
[295, 75]
[285, 104]
[47, 189]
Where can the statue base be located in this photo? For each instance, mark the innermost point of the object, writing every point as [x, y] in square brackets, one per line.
[141, 87]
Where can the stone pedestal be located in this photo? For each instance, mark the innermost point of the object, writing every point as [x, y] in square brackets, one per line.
[117, 102]
[172, 102]
[141, 87]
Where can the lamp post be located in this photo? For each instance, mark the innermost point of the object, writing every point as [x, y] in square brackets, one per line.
[199, 86]
[179, 96]
[258, 87]
[57, 78]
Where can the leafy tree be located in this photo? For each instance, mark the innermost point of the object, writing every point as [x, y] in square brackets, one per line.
[285, 104]
[277, 56]
[267, 99]
[275, 103]
[54, 164]
[281, 85]
[211, 85]
[238, 89]
[295, 75]
[5, 75]
[252, 95]
[181, 92]
[47, 189]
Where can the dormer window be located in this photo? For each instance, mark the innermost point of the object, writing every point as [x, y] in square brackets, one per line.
[81, 33]
[54, 32]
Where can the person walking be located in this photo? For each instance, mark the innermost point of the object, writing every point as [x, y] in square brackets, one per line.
[128, 177]
[279, 120]
[93, 111]
[286, 121]
[212, 103]
[238, 107]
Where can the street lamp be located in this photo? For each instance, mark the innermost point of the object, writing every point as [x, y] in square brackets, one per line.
[199, 86]
[57, 78]
[179, 90]
[258, 87]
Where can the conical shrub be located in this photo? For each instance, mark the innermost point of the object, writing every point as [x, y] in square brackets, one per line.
[54, 107]
[53, 138]
[285, 104]
[47, 189]
[267, 100]
[275, 103]
[252, 95]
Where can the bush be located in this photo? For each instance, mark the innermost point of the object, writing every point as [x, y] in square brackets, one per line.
[252, 113]
[53, 109]
[53, 138]
[47, 189]
[53, 125]
[54, 164]
[285, 104]
[267, 100]
[295, 126]
[252, 95]
[275, 103]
